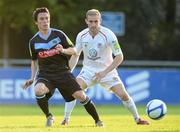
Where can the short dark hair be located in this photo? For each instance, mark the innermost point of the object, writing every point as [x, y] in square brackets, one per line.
[39, 10]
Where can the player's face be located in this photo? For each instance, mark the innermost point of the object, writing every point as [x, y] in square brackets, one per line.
[93, 23]
[43, 21]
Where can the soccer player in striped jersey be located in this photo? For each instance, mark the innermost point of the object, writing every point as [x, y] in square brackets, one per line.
[98, 45]
[50, 68]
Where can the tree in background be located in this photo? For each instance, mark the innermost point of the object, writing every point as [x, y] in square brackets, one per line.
[152, 26]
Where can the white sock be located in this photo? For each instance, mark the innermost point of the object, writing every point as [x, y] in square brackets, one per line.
[68, 109]
[130, 105]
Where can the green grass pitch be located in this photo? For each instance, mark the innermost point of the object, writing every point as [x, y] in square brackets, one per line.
[116, 119]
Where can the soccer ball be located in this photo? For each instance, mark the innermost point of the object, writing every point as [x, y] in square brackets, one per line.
[156, 109]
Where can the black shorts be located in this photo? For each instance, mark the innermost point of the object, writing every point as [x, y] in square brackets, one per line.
[66, 84]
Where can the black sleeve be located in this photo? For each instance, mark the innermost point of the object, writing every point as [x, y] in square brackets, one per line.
[66, 41]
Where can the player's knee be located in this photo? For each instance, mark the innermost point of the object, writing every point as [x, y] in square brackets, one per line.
[86, 101]
[80, 95]
[39, 90]
[124, 97]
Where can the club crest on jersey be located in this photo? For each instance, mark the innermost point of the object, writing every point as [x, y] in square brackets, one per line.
[99, 45]
[93, 54]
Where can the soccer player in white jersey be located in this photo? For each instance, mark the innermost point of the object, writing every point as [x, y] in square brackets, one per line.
[98, 44]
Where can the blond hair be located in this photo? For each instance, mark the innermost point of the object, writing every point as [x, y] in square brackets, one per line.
[93, 12]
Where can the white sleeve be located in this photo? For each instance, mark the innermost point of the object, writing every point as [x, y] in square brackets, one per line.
[78, 44]
[114, 44]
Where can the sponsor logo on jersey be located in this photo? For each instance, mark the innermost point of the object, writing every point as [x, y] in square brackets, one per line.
[93, 54]
[48, 53]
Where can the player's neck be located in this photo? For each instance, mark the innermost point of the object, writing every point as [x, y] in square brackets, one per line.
[94, 32]
[44, 32]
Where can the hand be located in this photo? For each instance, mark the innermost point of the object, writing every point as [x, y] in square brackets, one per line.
[27, 84]
[60, 48]
[98, 76]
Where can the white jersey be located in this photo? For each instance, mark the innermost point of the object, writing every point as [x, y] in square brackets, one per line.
[97, 51]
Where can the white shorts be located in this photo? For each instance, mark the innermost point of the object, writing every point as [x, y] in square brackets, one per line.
[110, 80]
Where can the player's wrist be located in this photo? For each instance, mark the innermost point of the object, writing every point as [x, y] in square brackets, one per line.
[106, 71]
[63, 51]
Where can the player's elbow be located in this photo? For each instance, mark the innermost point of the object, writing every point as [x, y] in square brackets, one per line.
[74, 52]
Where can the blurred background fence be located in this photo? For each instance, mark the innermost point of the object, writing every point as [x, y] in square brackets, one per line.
[144, 80]
[5, 63]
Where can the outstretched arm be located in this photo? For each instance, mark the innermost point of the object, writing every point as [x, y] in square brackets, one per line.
[68, 51]
[33, 73]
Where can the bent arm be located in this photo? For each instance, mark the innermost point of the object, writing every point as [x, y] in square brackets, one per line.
[69, 51]
[116, 62]
[73, 61]
[33, 69]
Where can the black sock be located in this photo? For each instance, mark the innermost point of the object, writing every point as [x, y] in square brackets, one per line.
[91, 109]
[43, 104]
[48, 95]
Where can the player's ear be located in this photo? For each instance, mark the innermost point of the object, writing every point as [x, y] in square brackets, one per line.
[86, 21]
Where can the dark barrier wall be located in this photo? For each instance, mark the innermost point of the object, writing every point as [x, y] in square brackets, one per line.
[142, 84]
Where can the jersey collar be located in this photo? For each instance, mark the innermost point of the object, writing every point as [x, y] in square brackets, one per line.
[45, 37]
